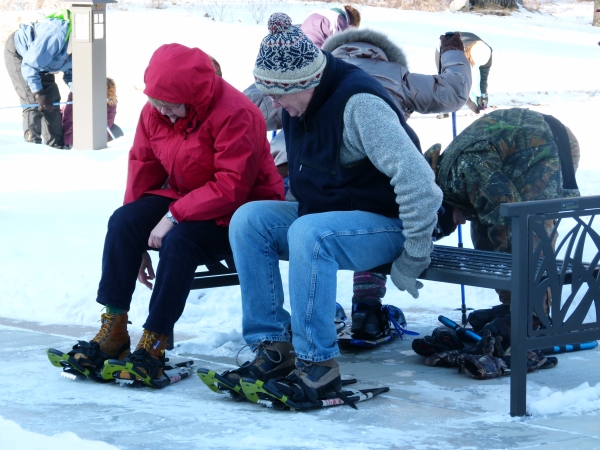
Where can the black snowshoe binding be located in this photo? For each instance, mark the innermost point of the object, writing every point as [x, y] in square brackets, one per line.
[141, 369]
[310, 386]
[340, 320]
[272, 360]
[146, 366]
[80, 368]
[374, 324]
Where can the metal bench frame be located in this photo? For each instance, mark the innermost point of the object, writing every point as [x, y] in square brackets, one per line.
[528, 273]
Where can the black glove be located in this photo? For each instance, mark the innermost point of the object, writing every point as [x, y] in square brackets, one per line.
[451, 42]
[481, 367]
[44, 103]
[472, 106]
[482, 101]
[445, 224]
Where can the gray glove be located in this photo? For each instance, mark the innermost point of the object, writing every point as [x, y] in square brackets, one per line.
[405, 271]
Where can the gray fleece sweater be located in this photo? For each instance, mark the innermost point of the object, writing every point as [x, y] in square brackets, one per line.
[372, 130]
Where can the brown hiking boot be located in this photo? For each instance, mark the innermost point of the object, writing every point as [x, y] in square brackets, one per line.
[111, 342]
[148, 359]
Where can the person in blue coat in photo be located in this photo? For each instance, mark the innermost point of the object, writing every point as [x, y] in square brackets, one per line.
[33, 55]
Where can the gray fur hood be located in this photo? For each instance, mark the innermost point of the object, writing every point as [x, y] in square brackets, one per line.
[367, 36]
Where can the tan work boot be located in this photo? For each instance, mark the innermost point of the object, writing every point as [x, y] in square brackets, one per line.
[271, 360]
[111, 342]
[148, 359]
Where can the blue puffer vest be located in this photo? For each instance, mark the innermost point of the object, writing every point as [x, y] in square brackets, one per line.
[317, 178]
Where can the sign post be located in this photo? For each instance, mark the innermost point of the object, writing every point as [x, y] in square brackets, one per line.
[89, 74]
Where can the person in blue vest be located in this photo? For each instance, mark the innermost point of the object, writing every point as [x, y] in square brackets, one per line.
[375, 53]
[365, 197]
[33, 54]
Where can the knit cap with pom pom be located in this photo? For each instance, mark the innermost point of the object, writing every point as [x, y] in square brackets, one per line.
[287, 61]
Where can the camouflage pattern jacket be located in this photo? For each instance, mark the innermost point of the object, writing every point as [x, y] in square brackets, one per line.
[505, 156]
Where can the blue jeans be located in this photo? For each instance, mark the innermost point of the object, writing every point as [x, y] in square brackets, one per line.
[316, 245]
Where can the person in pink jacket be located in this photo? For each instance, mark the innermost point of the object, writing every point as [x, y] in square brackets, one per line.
[200, 151]
[111, 112]
[321, 24]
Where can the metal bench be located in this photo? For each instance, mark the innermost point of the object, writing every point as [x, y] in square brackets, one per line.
[528, 273]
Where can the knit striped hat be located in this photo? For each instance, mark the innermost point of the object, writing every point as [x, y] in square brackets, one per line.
[287, 61]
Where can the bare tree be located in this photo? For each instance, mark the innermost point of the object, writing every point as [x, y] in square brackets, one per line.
[258, 9]
[596, 20]
[508, 4]
[217, 9]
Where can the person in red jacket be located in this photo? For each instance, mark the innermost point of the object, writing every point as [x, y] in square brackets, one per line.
[200, 151]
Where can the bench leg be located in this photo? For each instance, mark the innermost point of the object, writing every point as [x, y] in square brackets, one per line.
[518, 350]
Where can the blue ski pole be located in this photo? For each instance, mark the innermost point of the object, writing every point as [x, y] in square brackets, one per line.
[569, 347]
[453, 124]
[463, 307]
[460, 331]
[471, 335]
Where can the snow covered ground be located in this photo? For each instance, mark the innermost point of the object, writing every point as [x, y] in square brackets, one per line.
[54, 204]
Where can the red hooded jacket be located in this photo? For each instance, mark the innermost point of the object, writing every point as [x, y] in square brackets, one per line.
[213, 160]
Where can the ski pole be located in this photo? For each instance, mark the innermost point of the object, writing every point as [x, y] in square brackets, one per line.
[34, 105]
[453, 124]
[110, 132]
[460, 331]
[569, 347]
[463, 307]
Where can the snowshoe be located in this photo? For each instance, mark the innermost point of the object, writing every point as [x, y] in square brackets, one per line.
[347, 338]
[280, 401]
[145, 364]
[146, 371]
[86, 359]
[219, 383]
[271, 360]
[374, 324]
[72, 369]
[172, 373]
[310, 386]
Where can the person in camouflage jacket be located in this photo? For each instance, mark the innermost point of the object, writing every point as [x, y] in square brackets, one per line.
[505, 156]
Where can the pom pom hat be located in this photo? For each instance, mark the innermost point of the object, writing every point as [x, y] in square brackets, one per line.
[287, 61]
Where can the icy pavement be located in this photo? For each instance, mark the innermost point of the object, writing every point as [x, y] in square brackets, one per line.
[426, 408]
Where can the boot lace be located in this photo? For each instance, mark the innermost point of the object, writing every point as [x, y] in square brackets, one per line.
[301, 366]
[148, 339]
[261, 350]
[107, 320]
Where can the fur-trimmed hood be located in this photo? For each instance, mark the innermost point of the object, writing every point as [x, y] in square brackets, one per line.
[392, 52]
